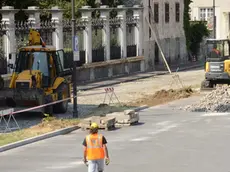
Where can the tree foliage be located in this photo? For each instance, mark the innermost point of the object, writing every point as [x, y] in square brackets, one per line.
[194, 31]
[47, 4]
[63, 4]
[187, 21]
[198, 32]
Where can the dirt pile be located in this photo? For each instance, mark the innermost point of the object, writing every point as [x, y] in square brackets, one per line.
[216, 101]
[164, 96]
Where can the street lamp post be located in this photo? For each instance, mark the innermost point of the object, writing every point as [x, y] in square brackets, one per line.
[214, 19]
[75, 112]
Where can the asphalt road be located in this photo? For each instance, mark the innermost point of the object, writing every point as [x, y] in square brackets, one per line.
[168, 140]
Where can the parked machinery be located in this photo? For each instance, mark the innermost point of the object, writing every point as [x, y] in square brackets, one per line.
[217, 66]
[38, 78]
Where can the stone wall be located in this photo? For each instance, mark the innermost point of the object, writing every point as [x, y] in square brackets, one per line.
[170, 35]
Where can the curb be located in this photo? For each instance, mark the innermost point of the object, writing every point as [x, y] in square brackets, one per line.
[134, 79]
[38, 138]
[140, 108]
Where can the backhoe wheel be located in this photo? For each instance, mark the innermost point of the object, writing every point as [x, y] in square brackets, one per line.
[63, 93]
[49, 109]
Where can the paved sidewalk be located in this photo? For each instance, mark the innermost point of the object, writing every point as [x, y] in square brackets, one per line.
[129, 78]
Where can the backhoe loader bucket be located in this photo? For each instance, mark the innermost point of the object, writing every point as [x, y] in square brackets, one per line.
[22, 98]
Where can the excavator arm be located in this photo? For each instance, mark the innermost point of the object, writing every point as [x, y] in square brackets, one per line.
[35, 38]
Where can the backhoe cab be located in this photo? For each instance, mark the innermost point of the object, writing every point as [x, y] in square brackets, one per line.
[38, 78]
[217, 66]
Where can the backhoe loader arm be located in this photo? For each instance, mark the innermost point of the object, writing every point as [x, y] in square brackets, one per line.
[35, 38]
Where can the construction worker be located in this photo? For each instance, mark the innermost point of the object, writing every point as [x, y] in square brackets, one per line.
[95, 150]
[215, 53]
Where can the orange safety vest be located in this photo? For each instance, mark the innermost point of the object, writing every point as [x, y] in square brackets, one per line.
[95, 148]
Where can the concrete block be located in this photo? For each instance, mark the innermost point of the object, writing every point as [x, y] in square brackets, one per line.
[129, 112]
[103, 122]
[121, 118]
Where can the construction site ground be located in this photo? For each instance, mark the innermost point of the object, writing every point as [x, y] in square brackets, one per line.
[130, 94]
[141, 92]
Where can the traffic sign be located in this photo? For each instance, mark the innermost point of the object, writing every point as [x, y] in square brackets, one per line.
[76, 49]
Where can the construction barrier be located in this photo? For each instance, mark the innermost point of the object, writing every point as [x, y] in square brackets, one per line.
[109, 92]
[8, 113]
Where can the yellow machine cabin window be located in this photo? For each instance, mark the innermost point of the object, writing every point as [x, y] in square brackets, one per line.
[33, 61]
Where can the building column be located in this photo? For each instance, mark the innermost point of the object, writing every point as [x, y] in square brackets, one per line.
[86, 16]
[57, 36]
[226, 25]
[106, 30]
[34, 17]
[137, 14]
[8, 13]
[122, 30]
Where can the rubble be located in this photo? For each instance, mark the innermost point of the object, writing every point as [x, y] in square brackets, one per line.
[216, 101]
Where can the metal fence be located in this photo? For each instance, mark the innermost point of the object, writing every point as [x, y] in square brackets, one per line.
[46, 31]
[98, 49]
[130, 36]
[67, 43]
[115, 48]
[21, 33]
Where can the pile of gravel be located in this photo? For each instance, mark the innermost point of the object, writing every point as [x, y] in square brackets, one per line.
[216, 101]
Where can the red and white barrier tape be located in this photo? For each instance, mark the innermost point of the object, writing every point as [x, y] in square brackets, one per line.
[59, 101]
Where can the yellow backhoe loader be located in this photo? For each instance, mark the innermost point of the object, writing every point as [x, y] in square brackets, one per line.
[38, 78]
[217, 66]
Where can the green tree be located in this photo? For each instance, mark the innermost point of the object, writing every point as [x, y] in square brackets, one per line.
[63, 4]
[198, 32]
[194, 31]
[47, 4]
[187, 21]
[18, 4]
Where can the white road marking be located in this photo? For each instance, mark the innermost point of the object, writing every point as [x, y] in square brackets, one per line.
[215, 114]
[208, 121]
[140, 139]
[166, 128]
[164, 123]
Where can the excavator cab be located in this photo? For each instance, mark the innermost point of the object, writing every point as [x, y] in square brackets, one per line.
[47, 61]
[38, 78]
[217, 65]
[217, 50]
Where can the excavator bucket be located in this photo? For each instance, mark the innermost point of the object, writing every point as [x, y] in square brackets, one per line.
[20, 99]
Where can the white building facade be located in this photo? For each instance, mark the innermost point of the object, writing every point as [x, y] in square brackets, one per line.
[203, 10]
[166, 17]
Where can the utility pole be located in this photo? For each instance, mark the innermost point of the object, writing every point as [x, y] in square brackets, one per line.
[74, 75]
[214, 19]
